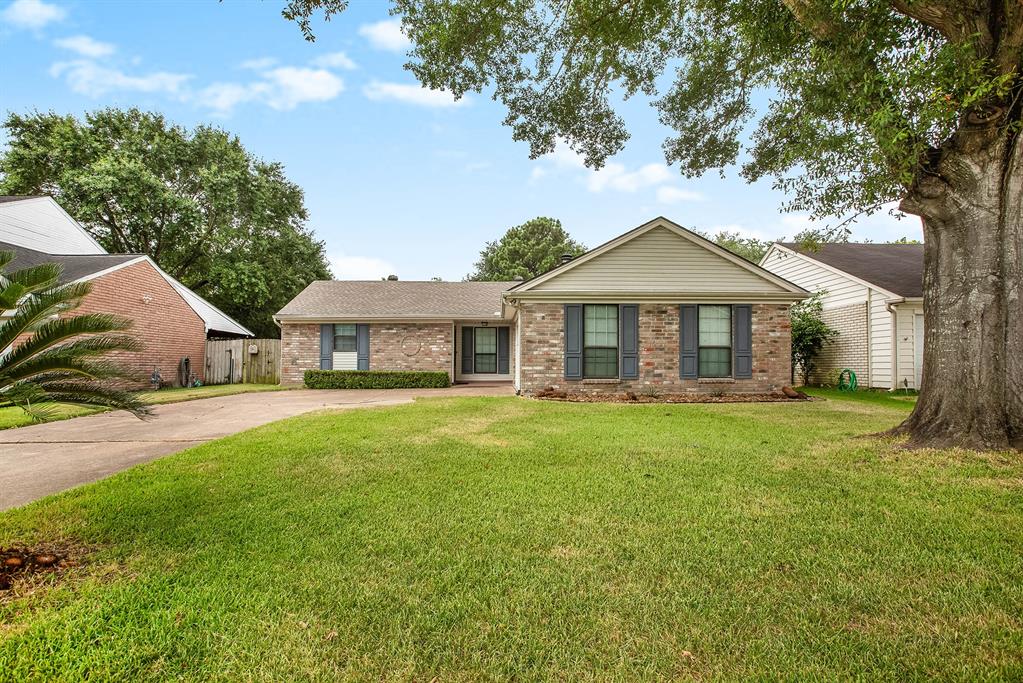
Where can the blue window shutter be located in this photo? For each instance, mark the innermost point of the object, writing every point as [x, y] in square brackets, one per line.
[362, 346]
[326, 347]
[502, 350]
[467, 350]
[742, 341]
[573, 341]
[628, 340]
[688, 341]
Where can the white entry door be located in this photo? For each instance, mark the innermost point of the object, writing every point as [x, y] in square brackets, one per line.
[918, 347]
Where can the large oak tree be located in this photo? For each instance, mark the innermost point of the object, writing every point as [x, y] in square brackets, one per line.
[226, 224]
[870, 101]
[526, 251]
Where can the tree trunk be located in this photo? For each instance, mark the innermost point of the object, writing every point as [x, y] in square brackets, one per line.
[971, 204]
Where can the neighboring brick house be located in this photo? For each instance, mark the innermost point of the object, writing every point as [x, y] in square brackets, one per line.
[656, 309]
[171, 321]
[873, 297]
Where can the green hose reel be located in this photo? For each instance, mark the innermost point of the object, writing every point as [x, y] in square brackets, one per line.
[847, 380]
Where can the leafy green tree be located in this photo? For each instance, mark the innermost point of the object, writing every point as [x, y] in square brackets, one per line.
[53, 357]
[226, 224]
[809, 334]
[526, 251]
[750, 248]
[869, 102]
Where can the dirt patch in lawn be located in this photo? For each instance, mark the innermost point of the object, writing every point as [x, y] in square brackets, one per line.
[632, 397]
[24, 570]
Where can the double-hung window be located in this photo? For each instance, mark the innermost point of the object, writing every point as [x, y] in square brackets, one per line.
[715, 341]
[344, 338]
[600, 341]
[485, 350]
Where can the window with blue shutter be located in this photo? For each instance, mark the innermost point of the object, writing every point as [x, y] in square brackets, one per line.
[629, 340]
[573, 341]
[326, 347]
[362, 346]
[742, 315]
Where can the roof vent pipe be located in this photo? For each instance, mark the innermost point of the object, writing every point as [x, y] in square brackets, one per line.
[565, 258]
[392, 278]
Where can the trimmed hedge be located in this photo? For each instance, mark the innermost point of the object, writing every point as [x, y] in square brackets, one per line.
[375, 379]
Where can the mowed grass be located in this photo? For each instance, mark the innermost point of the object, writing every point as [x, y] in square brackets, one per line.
[468, 539]
[16, 417]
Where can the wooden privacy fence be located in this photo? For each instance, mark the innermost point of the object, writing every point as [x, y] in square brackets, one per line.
[243, 361]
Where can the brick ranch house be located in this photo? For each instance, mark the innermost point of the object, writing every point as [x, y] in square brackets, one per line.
[172, 321]
[657, 308]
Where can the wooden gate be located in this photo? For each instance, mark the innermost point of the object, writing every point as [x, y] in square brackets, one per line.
[237, 361]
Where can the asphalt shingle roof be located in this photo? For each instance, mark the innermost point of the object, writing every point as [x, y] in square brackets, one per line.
[75, 266]
[899, 268]
[398, 299]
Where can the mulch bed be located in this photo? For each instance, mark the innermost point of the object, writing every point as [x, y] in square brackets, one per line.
[21, 566]
[630, 397]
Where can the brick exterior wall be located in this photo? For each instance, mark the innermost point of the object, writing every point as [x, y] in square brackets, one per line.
[411, 346]
[163, 321]
[543, 353]
[300, 351]
[392, 346]
[849, 348]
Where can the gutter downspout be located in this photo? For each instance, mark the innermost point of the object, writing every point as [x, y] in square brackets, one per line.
[889, 304]
[870, 339]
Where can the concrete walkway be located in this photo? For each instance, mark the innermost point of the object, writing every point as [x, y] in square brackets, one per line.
[42, 459]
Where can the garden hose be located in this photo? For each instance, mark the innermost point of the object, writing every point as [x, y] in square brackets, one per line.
[847, 380]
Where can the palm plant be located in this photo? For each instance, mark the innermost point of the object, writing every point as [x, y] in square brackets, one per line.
[48, 357]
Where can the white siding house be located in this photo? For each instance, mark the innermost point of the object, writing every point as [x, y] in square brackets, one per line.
[873, 297]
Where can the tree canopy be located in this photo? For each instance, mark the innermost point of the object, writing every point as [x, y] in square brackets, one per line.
[526, 251]
[861, 95]
[226, 224]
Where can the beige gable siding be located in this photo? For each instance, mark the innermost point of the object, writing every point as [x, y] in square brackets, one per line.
[880, 341]
[841, 291]
[658, 261]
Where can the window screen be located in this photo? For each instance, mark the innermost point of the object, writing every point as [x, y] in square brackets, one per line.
[715, 354]
[600, 341]
[344, 337]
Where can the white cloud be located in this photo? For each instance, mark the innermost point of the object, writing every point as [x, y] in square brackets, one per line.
[347, 267]
[32, 14]
[86, 46]
[290, 86]
[669, 194]
[385, 35]
[614, 176]
[335, 60]
[283, 88]
[411, 94]
[259, 63]
[89, 78]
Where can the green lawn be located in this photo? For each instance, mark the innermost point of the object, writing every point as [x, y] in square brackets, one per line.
[472, 539]
[16, 417]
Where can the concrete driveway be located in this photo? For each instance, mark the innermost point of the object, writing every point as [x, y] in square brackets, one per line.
[42, 459]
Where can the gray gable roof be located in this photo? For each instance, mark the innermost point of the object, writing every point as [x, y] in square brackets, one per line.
[75, 266]
[899, 268]
[369, 299]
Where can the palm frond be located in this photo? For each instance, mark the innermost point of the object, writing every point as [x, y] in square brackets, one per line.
[52, 365]
[37, 309]
[91, 394]
[90, 333]
[65, 358]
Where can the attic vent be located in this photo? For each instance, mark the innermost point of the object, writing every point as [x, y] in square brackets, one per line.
[392, 278]
[565, 258]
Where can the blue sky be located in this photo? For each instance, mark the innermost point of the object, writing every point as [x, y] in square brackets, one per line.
[397, 179]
